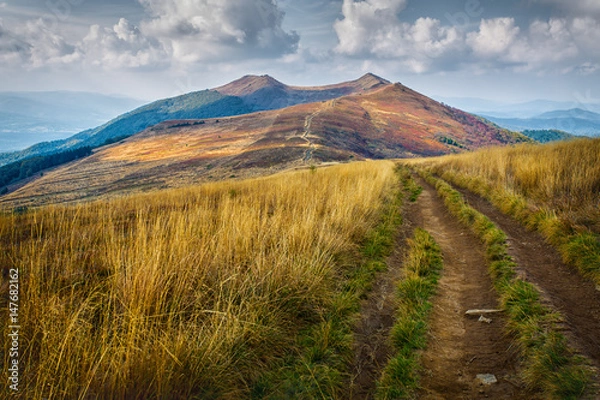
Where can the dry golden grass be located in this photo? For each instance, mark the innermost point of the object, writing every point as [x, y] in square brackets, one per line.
[553, 188]
[183, 293]
[563, 178]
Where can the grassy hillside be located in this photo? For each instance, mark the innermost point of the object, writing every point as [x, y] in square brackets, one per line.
[201, 104]
[390, 122]
[245, 95]
[189, 293]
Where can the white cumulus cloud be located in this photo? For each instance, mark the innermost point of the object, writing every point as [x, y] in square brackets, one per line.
[198, 30]
[172, 32]
[494, 38]
[372, 28]
[122, 46]
[366, 21]
[559, 44]
[33, 45]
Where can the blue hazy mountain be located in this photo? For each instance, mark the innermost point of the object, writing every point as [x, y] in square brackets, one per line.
[27, 118]
[523, 110]
[575, 121]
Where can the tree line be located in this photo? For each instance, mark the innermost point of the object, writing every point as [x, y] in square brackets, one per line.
[25, 168]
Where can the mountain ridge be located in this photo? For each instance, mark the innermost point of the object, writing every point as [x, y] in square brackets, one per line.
[256, 93]
[575, 121]
[390, 121]
[571, 113]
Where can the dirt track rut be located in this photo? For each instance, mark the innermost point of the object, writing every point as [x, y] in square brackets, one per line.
[372, 345]
[459, 347]
[575, 297]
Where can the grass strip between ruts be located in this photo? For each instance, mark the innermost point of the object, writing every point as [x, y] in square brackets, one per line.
[422, 267]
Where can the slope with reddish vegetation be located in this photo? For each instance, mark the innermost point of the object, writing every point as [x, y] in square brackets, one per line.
[392, 121]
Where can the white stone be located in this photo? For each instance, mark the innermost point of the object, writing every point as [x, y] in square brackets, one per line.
[487, 379]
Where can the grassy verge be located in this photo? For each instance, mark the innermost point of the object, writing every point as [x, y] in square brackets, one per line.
[578, 246]
[409, 334]
[318, 368]
[548, 364]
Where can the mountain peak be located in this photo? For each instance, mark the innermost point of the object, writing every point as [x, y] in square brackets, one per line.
[369, 81]
[372, 76]
[249, 84]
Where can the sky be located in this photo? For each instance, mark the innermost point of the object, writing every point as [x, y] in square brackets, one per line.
[504, 50]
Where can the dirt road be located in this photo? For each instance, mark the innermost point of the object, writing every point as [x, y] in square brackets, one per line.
[562, 287]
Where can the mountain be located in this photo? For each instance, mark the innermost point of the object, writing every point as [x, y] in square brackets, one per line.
[576, 113]
[27, 118]
[574, 121]
[248, 94]
[389, 121]
[498, 109]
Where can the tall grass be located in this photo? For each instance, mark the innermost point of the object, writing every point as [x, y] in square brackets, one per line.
[188, 293]
[563, 176]
[553, 188]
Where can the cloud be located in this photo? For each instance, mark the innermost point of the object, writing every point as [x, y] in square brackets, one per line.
[586, 34]
[548, 42]
[13, 50]
[494, 38]
[122, 46]
[372, 28]
[34, 45]
[559, 44]
[173, 32]
[202, 30]
[364, 22]
[587, 68]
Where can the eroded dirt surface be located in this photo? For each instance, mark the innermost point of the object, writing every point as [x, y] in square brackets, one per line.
[575, 297]
[461, 347]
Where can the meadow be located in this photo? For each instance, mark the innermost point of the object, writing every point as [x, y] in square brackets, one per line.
[187, 293]
[251, 288]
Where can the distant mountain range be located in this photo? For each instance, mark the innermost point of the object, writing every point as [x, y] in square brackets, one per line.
[581, 119]
[245, 95]
[574, 121]
[27, 118]
[525, 110]
[369, 118]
